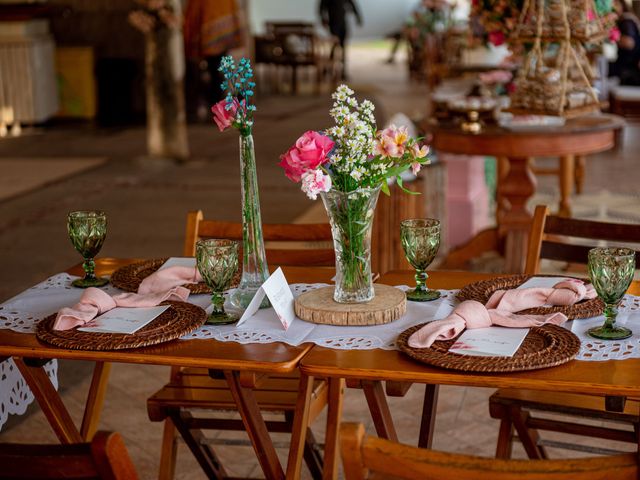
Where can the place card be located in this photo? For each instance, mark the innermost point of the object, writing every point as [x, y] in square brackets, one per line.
[542, 282]
[123, 320]
[279, 294]
[179, 262]
[489, 341]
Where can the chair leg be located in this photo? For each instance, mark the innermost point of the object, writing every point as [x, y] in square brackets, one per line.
[312, 456]
[379, 408]
[528, 436]
[194, 439]
[168, 452]
[505, 439]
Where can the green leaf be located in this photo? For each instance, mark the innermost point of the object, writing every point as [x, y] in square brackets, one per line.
[385, 188]
[410, 192]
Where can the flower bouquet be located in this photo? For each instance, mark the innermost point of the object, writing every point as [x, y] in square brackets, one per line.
[237, 111]
[347, 165]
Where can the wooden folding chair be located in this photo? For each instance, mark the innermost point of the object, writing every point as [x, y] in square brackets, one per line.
[193, 389]
[565, 239]
[106, 457]
[370, 457]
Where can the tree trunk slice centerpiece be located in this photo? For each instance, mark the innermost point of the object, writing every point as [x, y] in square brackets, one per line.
[318, 306]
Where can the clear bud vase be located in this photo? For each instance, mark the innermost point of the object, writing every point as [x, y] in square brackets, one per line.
[254, 260]
[351, 218]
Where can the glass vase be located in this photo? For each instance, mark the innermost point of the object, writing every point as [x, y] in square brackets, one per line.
[254, 260]
[351, 218]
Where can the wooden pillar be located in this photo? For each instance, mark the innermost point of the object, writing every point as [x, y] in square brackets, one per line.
[164, 69]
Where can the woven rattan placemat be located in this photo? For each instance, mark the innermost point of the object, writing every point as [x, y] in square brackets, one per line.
[482, 290]
[180, 319]
[543, 347]
[128, 278]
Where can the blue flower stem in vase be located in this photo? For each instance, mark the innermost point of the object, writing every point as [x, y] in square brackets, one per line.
[254, 260]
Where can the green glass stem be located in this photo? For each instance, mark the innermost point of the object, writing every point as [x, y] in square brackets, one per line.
[217, 300]
[610, 314]
[421, 281]
[89, 267]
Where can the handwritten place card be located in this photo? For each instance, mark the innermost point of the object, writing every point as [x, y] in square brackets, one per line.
[123, 320]
[279, 294]
[179, 262]
[490, 341]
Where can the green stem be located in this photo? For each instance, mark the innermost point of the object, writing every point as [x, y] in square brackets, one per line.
[610, 314]
[217, 300]
[89, 267]
[421, 280]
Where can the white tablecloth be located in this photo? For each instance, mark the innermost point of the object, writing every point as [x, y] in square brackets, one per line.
[22, 313]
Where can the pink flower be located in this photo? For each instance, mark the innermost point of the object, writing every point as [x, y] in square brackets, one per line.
[496, 37]
[309, 152]
[391, 142]
[314, 182]
[591, 16]
[614, 34]
[415, 167]
[224, 118]
[419, 151]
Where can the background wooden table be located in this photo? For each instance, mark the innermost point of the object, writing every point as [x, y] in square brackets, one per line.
[516, 183]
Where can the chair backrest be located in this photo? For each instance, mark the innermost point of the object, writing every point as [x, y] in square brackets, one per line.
[297, 238]
[569, 239]
[106, 457]
[371, 457]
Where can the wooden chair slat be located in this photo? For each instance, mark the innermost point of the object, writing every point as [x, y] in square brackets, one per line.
[370, 457]
[572, 227]
[106, 457]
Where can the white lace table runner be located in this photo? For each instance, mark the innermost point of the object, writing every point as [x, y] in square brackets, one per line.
[22, 313]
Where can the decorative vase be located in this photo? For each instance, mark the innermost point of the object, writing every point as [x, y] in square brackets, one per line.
[254, 260]
[351, 218]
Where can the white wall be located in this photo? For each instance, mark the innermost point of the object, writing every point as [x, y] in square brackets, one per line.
[380, 17]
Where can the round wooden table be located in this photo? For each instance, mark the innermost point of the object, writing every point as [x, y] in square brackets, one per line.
[516, 184]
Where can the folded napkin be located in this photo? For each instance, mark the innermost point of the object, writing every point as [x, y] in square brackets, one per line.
[500, 310]
[165, 284]
[167, 278]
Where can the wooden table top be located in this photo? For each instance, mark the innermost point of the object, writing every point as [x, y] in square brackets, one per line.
[579, 136]
[614, 377]
[272, 357]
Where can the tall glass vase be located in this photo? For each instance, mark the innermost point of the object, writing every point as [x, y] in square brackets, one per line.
[351, 218]
[254, 260]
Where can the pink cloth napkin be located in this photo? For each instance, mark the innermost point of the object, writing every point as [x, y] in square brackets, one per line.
[162, 285]
[169, 277]
[500, 310]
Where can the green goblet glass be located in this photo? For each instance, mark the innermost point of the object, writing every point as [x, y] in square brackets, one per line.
[217, 262]
[87, 231]
[420, 239]
[611, 272]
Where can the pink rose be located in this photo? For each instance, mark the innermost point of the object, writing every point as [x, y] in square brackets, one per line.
[496, 38]
[224, 118]
[614, 34]
[309, 152]
[314, 182]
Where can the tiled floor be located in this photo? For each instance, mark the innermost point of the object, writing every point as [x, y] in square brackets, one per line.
[147, 203]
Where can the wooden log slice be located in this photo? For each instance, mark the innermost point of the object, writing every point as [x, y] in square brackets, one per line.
[318, 306]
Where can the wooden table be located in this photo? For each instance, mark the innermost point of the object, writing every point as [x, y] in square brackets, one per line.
[610, 378]
[516, 183]
[239, 362]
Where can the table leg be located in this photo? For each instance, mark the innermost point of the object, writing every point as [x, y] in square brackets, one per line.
[336, 396]
[50, 402]
[428, 416]
[95, 400]
[300, 423]
[255, 426]
[580, 165]
[515, 189]
[379, 408]
[567, 173]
